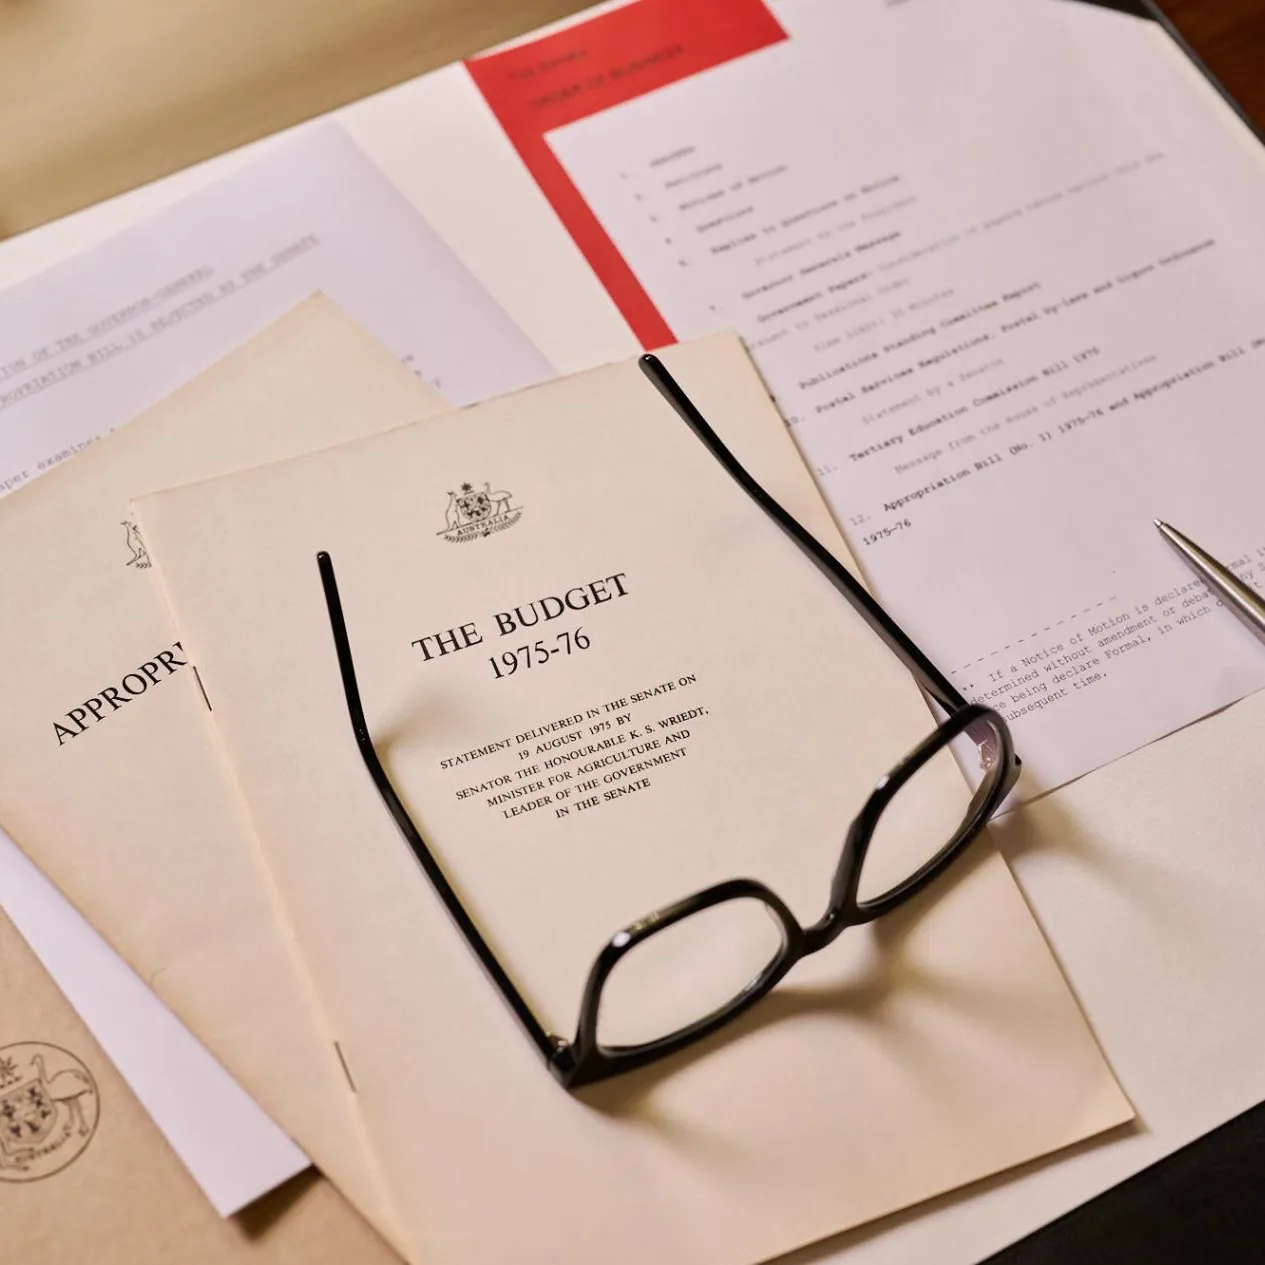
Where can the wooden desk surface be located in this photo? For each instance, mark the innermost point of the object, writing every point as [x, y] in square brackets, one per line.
[1229, 35]
[97, 96]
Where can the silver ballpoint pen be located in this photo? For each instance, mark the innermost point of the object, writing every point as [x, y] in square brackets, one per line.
[1246, 603]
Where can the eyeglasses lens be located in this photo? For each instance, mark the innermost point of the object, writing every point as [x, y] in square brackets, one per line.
[687, 971]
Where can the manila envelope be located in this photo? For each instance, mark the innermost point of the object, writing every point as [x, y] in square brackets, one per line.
[87, 1179]
[110, 778]
[602, 679]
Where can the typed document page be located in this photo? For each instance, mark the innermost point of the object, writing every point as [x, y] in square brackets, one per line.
[999, 265]
[92, 342]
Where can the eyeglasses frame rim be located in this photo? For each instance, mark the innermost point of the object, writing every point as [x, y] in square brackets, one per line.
[590, 1060]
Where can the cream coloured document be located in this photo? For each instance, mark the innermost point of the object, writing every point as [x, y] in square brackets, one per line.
[602, 680]
[1000, 264]
[109, 774]
[231, 1147]
[86, 1178]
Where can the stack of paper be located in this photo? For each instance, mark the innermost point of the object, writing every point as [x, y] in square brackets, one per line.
[936, 1049]
[599, 678]
[187, 781]
[85, 346]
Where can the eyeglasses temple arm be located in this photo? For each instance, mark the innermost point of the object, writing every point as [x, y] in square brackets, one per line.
[548, 1046]
[925, 672]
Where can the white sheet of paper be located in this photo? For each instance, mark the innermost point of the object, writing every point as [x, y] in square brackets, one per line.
[102, 336]
[96, 340]
[975, 309]
[231, 1148]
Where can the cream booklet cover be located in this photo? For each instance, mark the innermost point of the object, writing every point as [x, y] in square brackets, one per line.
[110, 778]
[601, 680]
[87, 1179]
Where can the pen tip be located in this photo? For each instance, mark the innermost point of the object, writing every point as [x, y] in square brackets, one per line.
[1160, 523]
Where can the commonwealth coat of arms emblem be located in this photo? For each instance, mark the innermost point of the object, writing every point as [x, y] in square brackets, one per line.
[49, 1108]
[473, 513]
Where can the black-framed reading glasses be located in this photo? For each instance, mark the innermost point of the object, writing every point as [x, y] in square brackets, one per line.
[680, 973]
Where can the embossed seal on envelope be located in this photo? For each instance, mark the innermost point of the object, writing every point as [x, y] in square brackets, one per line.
[49, 1109]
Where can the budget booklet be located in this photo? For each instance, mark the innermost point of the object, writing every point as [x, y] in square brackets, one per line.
[601, 679]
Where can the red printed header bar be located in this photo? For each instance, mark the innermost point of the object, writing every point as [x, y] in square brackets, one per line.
[592, 66]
